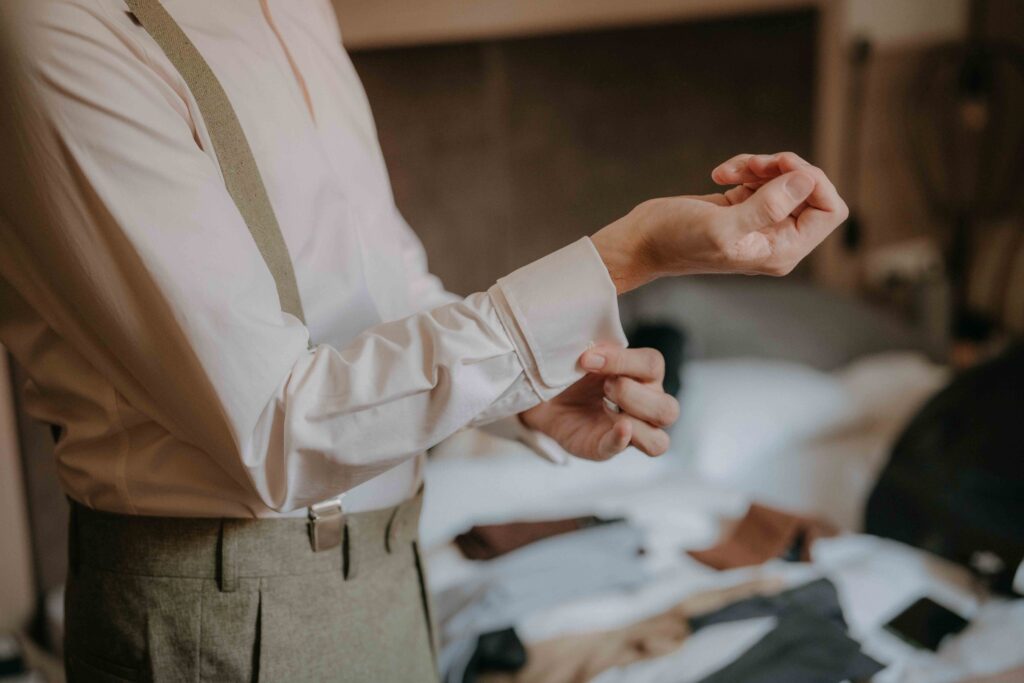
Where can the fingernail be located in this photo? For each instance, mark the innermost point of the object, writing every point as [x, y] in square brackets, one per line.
[592, 361]
[799, 185]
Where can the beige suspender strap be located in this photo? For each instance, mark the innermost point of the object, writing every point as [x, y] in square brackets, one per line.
[241, 176]
[244, 184]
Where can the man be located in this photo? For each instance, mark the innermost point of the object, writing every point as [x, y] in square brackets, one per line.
[210, 417]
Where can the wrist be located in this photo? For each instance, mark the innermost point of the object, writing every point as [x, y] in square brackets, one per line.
[527, 418]
[623, 250]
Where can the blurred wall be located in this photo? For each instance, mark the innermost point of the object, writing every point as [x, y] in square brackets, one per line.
[503, 150]
[487, 79]
[891, 204]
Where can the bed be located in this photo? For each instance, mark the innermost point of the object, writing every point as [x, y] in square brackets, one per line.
[803, 425]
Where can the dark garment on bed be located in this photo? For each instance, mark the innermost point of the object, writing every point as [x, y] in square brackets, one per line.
[764, 534]
[496, 651]
[954, 484]
[802, 648]
[576, 657]
[817, 598]
[485, 542]
[533, 578]
[671, 342]
[808, 645]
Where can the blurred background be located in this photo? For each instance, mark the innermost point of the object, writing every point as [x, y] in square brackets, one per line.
[876, 391]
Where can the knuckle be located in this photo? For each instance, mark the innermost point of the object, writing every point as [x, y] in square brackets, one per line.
[670, 412]
[772, 208]
[655, 363]
[613, 361]
[819, 175]
[791, 158]
[843, 211]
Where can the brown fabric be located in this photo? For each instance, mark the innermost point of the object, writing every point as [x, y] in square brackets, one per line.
[580, 657]
[763, 534]
[488, 541]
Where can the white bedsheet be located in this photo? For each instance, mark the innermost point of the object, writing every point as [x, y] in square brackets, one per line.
[476, 478]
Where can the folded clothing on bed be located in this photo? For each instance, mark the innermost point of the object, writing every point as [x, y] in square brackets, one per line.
[808, 645]
[487, 541]
[531, 579]
[764, 534]
[802, 648]
[580, 657]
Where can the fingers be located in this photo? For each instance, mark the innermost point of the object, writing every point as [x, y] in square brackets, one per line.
[824, 197]
[615, 440]
[628, 431]
[771, 165]
[754, 170]
[645, 365]
[735, 171]
[650, 440]
[646, 402]
[775, 201]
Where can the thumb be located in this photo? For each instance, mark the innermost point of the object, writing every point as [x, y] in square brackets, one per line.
[775, 200]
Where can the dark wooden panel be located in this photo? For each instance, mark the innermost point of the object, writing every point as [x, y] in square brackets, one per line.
[502, 151]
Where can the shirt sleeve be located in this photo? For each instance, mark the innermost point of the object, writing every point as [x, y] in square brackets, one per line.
[427, 291]
[154, 274]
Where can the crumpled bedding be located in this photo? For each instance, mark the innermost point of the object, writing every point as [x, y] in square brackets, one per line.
[476, 479]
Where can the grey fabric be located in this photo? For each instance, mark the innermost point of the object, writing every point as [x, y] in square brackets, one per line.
[162, 599]
[802, 648]
[241, 175]
[809, 644]
[533, 578]
[818, 598]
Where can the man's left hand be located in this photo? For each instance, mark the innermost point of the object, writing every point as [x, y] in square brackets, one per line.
[583, 422]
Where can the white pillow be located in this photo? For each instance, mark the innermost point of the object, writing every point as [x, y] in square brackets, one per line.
[738, 412]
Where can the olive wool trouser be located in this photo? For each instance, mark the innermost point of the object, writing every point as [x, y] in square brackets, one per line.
[179, 599]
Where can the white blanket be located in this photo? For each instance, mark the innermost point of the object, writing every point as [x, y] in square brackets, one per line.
[680, 504]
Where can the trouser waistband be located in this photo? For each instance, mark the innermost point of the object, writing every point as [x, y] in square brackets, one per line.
[230, 549]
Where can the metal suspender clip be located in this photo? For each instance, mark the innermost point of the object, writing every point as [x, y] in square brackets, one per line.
[326, 524]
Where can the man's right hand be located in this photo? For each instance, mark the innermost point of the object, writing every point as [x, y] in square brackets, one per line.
[778, 211]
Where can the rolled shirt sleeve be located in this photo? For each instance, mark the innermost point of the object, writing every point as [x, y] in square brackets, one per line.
[553, 309]
[579, 263]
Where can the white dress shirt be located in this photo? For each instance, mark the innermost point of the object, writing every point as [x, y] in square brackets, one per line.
[150, 326]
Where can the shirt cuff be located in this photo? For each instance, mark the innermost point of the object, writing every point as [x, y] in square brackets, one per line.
[554, 309]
